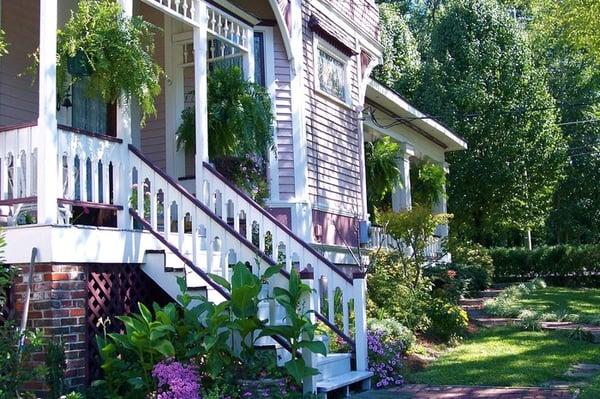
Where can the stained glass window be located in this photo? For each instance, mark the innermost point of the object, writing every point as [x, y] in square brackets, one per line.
[331, 75]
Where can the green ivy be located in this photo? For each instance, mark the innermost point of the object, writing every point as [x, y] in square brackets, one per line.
[119, 52]
[428, 183]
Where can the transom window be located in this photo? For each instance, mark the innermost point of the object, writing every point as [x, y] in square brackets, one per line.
[332, 75]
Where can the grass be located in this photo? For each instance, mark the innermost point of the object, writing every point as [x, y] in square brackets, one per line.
[592, 390]
[584, 302]
[507, 356]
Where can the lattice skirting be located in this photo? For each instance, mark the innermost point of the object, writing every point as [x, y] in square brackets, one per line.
[114, 290]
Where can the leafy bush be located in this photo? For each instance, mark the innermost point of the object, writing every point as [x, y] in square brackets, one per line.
[507, 303]
[530, 320]
[452, 281]
[448, 321]
[385, 358]
[248, 173]
[471, 254]
[382, 171]
[561, 264]
[393, 331]
[392, 293]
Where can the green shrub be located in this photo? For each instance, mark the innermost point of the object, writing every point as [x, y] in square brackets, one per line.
[507, 303]
[452, 281]
[392, 293]
[472, 255]
[561, 264]
[530, 320]
[448, 321]
[394, 331]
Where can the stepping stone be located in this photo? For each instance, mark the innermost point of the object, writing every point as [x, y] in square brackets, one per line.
[583, 370]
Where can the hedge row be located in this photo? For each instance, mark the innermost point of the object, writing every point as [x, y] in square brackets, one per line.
[554, 262]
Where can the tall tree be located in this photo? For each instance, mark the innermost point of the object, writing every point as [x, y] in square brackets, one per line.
[478, 75]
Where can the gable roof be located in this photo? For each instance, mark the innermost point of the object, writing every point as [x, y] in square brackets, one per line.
[396, 105]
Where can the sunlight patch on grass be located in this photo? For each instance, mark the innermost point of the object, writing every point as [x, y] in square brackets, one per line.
[507, 357]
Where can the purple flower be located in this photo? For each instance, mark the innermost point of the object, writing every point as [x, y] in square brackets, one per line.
[176, 381]
[385, 359]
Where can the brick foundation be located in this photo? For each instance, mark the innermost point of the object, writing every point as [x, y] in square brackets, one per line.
[58, 308]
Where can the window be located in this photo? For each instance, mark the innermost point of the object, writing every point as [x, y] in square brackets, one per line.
[259, 58]
[332, 75]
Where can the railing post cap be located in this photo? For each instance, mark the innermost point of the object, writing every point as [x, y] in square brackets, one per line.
[307, 274]
[359, 275]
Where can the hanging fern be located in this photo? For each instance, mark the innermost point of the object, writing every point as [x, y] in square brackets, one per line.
[3, 44]
[428, 183]
[119, 52]
[240, 117]
[382, 171]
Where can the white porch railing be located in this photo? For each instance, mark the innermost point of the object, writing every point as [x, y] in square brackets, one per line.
[378, 238]
[184, 10]
[90, 166]
[18, 162]
[227, 227]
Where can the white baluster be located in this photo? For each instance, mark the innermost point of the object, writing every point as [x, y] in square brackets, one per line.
[177, 4]
[83, 178]
[185, 8]
[153, 202]
[106, 181]
[330, 298]
[95, 181]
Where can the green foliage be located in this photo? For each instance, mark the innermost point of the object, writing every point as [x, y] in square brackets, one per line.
[118, 50]
[413, 228]
[478, 74]
[248, 173]
[448, 321]
[452, 281]
[3, 44]
[240, 117]
[562, 264]
[530, 320]
[394, 331]
[401, 58]
[299, 332]
[471, 254]
[507, 303]
[392, 293]
[381, 169]
[428, 183]
[56, 364]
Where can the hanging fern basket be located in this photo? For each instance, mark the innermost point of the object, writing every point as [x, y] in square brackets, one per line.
[79, 65]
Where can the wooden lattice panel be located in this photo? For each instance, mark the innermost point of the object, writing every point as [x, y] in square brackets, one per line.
[114, 290]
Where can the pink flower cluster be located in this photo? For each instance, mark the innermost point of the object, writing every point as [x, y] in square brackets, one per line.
[176, 381]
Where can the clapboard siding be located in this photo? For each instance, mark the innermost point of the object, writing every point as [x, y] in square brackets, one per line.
[364, 12]
[283, 110]
[153, 137]
[332, 132]
[18, 97]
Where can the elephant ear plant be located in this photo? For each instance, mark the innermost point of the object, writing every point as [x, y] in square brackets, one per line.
[299, 331]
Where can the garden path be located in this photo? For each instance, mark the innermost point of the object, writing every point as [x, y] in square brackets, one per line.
[474, 308]
[417, 391]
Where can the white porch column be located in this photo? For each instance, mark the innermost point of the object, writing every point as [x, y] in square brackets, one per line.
[402, 197]
[48, 183]
[249, 57]
[200, 95]
[124, 132]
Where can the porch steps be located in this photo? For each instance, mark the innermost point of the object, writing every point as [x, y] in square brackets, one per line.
[336, 374]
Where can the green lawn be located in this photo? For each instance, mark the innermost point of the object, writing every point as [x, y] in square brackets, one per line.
[592, 390]
[507, 356]
[585, 302]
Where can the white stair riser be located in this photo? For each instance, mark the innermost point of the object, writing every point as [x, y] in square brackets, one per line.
[333, 365]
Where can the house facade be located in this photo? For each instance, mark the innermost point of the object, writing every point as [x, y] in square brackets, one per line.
[72, 173]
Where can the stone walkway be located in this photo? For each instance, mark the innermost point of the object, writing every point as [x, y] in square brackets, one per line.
[410, 391]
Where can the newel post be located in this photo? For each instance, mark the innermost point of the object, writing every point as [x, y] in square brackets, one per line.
[309, 385]
[124, 132]
[360, 335]
[200, 37]
[48, 182]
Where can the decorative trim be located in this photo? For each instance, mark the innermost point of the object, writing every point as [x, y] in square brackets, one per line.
[315, 25]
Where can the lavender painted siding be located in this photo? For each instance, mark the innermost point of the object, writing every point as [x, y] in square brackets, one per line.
[334, 229]
[333, 146]
[363, 12]
[283, 109]
[153, 136]
[283, 216]
[18, 97]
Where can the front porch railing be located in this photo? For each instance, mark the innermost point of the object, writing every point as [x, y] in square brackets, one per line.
[378, 238]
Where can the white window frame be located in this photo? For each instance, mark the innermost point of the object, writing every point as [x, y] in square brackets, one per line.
[322, 45]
